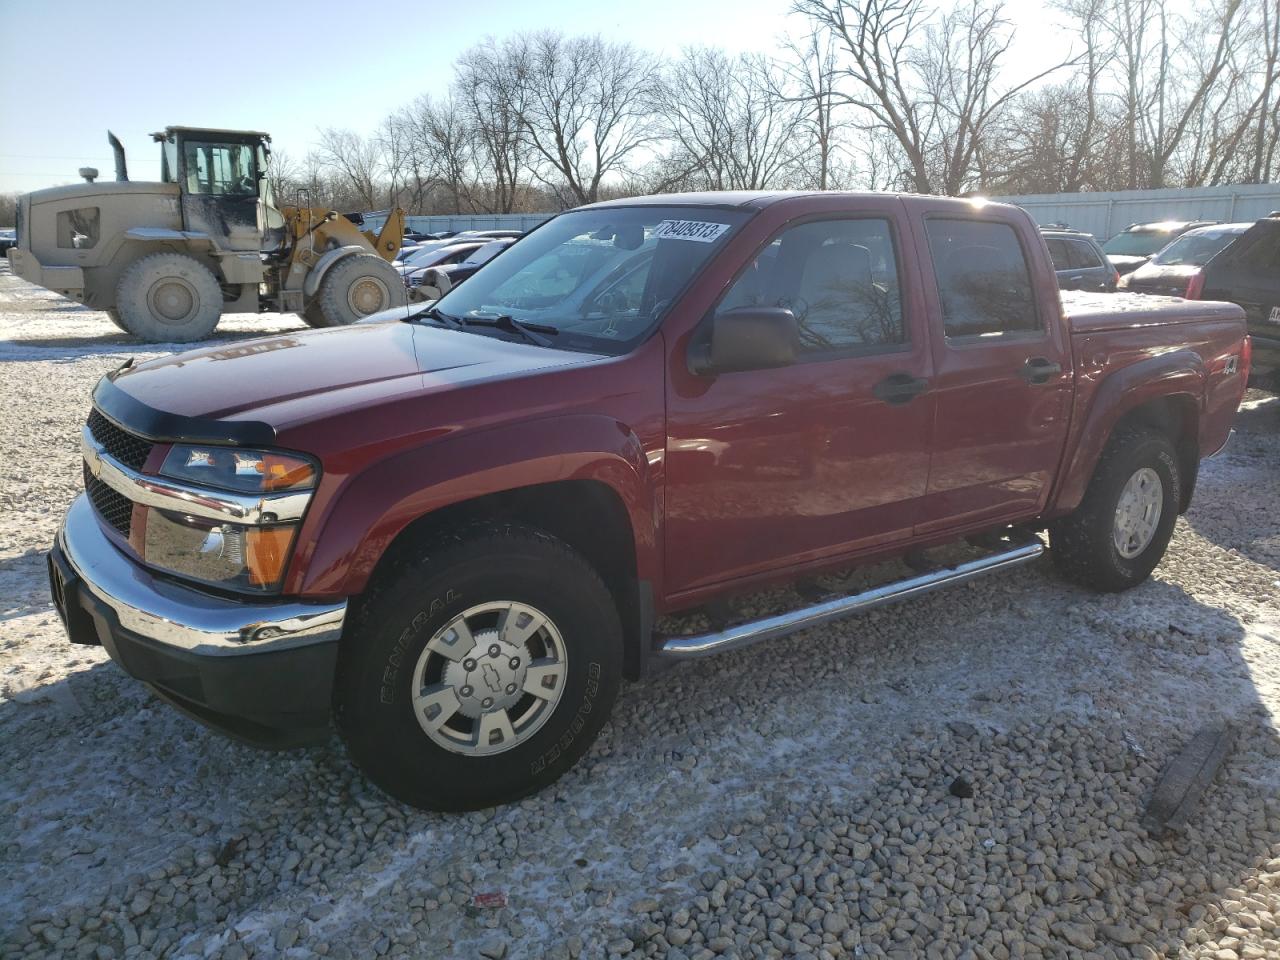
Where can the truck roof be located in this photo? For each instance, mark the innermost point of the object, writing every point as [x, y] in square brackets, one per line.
[764, 198]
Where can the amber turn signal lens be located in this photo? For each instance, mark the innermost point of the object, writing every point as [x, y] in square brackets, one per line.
[282, 472]
[266, 551]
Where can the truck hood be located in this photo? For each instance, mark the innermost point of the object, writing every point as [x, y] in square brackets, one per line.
[293, 378]
[1125, 263]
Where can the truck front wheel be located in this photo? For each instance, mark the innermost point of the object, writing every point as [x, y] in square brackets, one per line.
[168, 298]
[479, 672]
[1118, 534]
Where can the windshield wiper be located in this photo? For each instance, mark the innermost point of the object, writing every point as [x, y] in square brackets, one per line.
[439, 315]
[504, 321]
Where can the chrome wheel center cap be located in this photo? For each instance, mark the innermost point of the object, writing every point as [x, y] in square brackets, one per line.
[490, 677]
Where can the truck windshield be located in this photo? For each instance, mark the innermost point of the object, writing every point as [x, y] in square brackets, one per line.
[1196, 248]
[599, 279]
[1137, 243]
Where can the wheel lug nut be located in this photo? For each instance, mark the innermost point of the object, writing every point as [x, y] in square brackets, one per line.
[487, 702]
[511, 688]
[468, 665]
[467, 691]
[494, 650]
[515, 663]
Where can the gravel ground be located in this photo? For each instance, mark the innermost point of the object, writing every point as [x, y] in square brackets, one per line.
[787, 801]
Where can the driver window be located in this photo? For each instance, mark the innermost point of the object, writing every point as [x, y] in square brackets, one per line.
[220, 169]
[839, 278]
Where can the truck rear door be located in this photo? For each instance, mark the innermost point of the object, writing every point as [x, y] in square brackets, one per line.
[1002, 368]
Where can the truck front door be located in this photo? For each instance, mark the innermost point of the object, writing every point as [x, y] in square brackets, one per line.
[1003, 372]
[770, 469]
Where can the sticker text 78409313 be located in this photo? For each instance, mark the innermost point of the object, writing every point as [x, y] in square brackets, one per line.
[699, 231]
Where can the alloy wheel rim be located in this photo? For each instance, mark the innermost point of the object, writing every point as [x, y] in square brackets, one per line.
[489, 679]
[1138, 513]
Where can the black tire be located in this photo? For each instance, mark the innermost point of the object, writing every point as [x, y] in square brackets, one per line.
[1083, 544]
[114, 317]
[354, 288]
[168, 298]
[393, 625]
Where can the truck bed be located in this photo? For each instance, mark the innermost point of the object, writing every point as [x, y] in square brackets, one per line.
[1095, 312]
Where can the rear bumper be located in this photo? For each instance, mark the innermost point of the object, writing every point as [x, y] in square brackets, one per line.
[261, 672]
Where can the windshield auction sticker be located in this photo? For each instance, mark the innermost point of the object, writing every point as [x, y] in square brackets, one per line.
[699, 231]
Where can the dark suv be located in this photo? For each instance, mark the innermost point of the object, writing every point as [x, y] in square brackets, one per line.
[1135, 244]
[1248, 273]
[1078, 260]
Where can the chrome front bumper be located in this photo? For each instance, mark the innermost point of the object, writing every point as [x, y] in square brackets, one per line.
[182, 617]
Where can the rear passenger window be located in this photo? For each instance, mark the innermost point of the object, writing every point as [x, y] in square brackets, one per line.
[983, 281]
[1264, 255]
[839, 278]
[1083, 256]
[1058, 254]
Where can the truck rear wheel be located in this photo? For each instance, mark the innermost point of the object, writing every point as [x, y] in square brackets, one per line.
[481, 671]
[1122, 527]
[354, 288]
[168, 297]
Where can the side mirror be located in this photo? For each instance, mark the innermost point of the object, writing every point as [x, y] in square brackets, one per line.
[745, 338]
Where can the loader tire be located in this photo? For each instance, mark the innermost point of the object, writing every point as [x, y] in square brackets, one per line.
[114, 317]
[354, 288]
[168, 298]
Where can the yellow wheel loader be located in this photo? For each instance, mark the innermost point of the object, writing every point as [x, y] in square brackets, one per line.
[167, 259]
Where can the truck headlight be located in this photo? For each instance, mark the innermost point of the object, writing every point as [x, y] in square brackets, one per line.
[239, 470]
[243, 557]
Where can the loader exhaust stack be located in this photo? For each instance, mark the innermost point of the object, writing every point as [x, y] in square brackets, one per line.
[122, 171]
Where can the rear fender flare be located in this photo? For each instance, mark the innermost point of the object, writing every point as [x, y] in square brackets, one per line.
[1177, 373]
[342, 542]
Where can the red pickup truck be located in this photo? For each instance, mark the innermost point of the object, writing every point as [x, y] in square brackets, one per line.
[454, 530]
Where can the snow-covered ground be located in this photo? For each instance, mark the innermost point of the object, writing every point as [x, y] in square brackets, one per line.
[788, 800]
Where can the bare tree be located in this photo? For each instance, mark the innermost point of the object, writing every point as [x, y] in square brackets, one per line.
[727, 127]
[807, 76]
[355, 161]
[933, 84]
[495, 100]
[586, 107]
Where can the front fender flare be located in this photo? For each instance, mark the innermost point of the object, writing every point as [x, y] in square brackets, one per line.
[1176, 373]
[327, 260]
[343, 541]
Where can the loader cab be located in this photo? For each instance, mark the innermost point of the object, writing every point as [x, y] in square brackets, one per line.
[222, 179]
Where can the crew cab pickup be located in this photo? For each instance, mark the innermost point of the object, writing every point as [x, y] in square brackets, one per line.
[453, 530]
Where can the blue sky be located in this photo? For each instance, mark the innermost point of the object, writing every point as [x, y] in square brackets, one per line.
[71, 68]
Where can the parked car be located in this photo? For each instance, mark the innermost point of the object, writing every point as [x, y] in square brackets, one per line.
[1248, 273]
[416, 266]
[494, 234]
[1173, 270]
[441, 279]
[455, 534]
[1137, 243]
[1078, 260]
[8, 240]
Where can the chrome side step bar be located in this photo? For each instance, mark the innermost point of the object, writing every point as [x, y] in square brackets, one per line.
[770, 628]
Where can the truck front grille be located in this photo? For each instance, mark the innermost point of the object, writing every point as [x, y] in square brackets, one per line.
[115, 508]
[119, 444]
